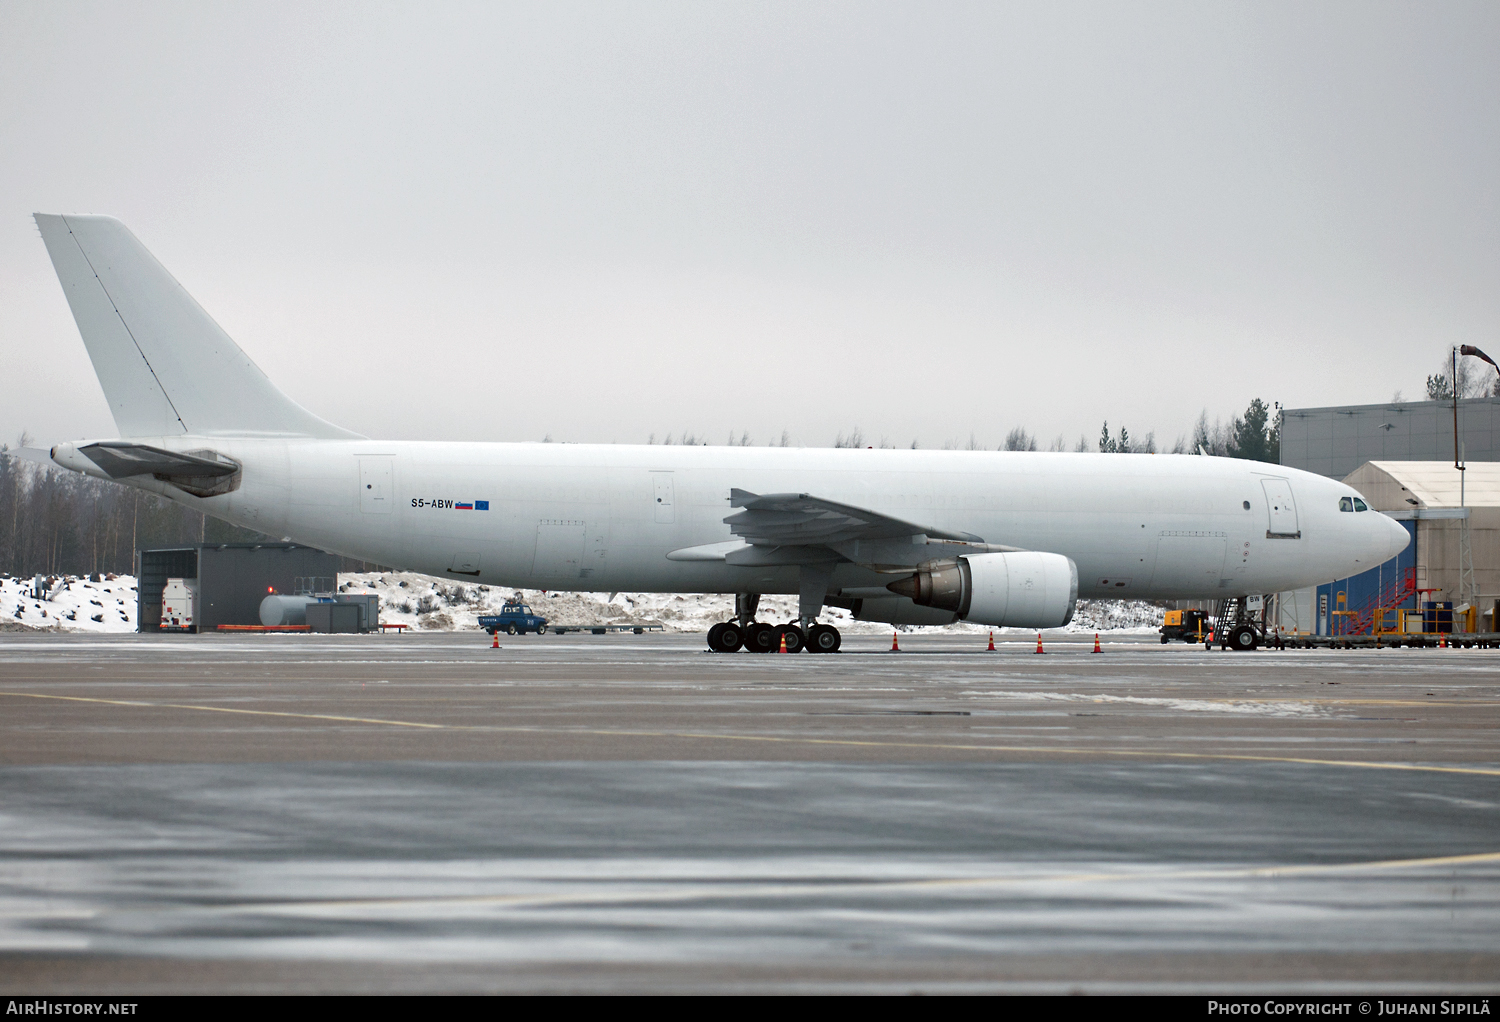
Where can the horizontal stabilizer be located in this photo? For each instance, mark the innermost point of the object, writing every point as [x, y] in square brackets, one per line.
[35, 454]
[120, 460]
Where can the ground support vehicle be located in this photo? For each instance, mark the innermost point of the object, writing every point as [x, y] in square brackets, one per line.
[1391, 640]
[514, 619]
[179, 605]
[1186, 626]
[601, 629]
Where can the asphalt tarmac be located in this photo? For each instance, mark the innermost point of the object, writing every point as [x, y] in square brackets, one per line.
[630, 813]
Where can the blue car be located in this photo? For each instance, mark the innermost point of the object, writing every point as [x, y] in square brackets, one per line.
[513, 619]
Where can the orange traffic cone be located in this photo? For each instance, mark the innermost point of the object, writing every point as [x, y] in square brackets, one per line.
[496, 643]
[783, 643]
[1096, 643]
[894, 647]
[1039, 648]
[992, 643]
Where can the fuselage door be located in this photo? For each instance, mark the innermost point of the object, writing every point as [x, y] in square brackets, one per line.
[1281, 510]
[375, 485]
[662, 487]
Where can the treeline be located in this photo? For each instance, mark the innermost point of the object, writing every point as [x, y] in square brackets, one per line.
[1255, 436]
[54, 522]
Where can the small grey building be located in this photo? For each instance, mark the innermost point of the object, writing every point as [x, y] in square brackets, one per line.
[232, 579]
[1336, 441]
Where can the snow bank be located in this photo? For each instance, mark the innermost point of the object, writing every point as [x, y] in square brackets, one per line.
[72, 604]
[425, 603]
[436, 604]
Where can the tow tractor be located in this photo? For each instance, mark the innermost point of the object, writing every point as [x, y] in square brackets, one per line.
[1238, 624]
[1186, 625]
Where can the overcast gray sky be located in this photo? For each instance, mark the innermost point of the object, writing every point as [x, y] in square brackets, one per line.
[601, 221]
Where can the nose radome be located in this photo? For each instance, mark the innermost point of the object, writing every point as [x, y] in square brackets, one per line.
[1398, 537]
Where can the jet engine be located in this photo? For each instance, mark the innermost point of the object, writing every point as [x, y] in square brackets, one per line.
[1027, 589]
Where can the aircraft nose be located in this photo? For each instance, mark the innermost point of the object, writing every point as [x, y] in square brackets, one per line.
[1397, 537]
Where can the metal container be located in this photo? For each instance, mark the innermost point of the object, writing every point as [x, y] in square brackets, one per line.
[277, 610]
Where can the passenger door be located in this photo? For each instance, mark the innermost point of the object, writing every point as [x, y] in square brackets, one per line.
[1281, 510]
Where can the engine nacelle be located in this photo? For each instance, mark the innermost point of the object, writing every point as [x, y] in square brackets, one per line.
[896, 610]
[1027, 589]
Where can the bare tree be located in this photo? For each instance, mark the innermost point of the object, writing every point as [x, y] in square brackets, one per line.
[1019, 440]
[1475, 379]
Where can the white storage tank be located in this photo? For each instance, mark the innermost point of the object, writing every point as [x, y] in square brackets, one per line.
[277, 611]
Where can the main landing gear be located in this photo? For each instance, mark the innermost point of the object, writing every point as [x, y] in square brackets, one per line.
[760, 637]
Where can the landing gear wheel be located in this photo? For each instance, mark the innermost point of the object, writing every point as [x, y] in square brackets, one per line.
[714, 635]
[823, 639]
[1243, 638]
[731, 638]
[761, 638]
[795, 639]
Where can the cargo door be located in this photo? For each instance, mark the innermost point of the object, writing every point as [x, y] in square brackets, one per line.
[376, 495]
[1281, 510]
[661, 483]
[1189, 563]
[559, 548]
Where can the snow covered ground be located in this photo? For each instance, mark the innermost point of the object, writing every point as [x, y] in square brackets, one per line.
[72, 604]
[434, 604]
[439, 604]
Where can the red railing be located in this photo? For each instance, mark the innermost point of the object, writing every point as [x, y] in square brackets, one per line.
[1398, 592]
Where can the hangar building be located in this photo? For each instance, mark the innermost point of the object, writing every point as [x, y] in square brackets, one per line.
[1336, 441]
[1425, 497]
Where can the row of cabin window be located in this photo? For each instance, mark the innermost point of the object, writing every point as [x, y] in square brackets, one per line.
[1352, 504]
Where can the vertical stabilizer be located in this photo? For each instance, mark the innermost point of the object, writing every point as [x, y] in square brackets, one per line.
[166, 367]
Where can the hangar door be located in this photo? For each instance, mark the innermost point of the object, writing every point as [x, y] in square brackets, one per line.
[1281, 510]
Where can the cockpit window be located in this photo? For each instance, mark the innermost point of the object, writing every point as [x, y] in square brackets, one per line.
[1346, 503]
[1360, 505]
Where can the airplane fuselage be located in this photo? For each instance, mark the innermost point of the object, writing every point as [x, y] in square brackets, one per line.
[607, 517]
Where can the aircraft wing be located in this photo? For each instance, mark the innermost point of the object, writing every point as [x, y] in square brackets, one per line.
[800, 519]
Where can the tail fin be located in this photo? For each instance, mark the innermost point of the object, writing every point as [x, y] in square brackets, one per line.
[166, 367]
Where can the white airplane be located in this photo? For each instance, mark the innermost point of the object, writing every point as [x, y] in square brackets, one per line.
[899, 536]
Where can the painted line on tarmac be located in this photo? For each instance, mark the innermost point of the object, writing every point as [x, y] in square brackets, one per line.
[774, 739]
[231, 709]
[840, 889]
